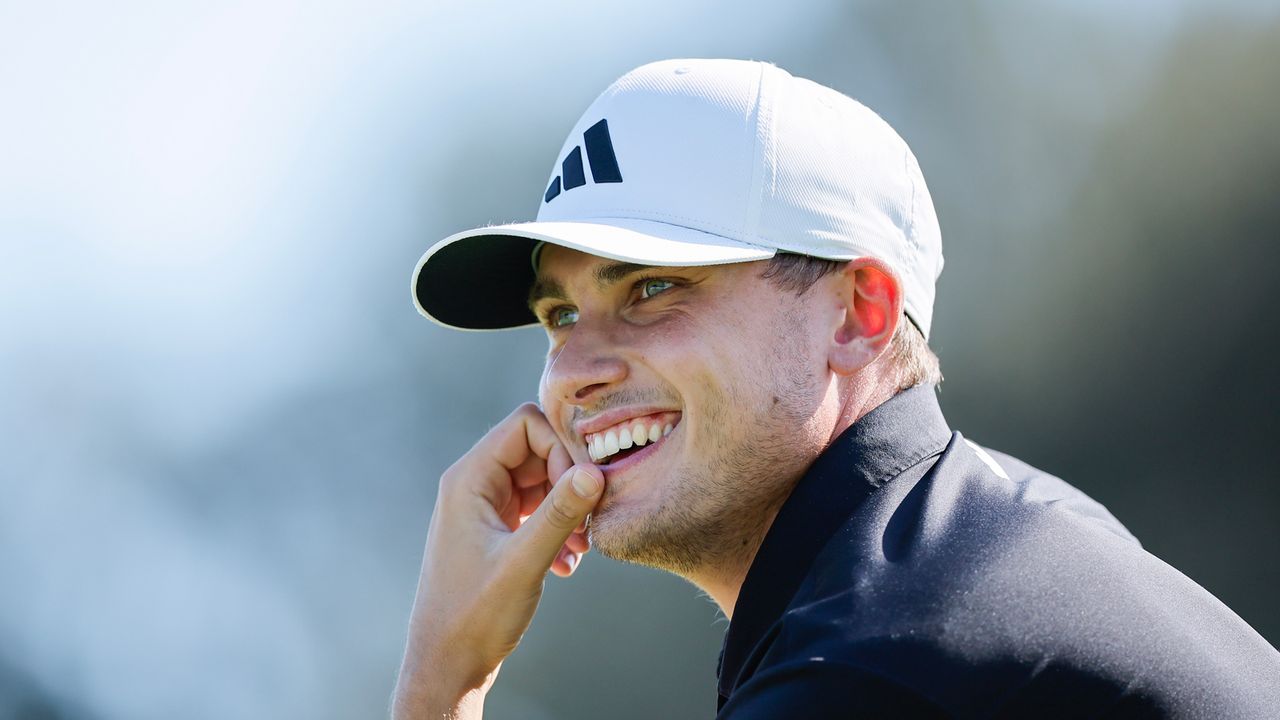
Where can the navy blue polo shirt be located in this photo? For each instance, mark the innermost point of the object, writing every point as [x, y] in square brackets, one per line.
[912, 573]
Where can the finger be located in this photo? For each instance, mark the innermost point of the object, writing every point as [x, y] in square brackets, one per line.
[531, 498]
[523, 432]
[582, 526]
[533, 471]
[542, 536]
[578, 543]
[570, 555]
[510, 513]
[566, 563]
[487, 469]
[558, 462]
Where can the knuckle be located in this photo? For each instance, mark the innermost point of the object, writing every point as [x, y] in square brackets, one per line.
[560, 513]
[507, 424]
[454, 479]
[448, 481]
[450, 477]
[527, 409]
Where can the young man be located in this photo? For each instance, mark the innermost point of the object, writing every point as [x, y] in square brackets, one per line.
[735, 270]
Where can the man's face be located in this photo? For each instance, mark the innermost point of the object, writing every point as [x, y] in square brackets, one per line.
[715, 376]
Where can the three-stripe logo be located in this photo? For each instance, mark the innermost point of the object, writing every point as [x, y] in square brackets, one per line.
[604, 164]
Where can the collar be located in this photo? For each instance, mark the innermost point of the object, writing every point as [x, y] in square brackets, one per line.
[894, 436]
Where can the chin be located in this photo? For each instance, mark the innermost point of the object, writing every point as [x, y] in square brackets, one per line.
[612, 523]
[631, 495]
[618, 525]
[648, 530]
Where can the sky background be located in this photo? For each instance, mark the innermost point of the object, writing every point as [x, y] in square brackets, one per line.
[222, 421]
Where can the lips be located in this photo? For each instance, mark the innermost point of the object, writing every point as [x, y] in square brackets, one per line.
[630, 433]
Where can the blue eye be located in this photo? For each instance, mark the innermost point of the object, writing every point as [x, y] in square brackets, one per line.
[649, 288]
[562, 317]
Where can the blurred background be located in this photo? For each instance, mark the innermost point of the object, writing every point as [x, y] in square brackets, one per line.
[222, 422]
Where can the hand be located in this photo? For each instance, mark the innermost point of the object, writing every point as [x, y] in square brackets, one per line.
[483, 570]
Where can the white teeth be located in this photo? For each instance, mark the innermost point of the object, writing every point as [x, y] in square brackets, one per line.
[605, 444]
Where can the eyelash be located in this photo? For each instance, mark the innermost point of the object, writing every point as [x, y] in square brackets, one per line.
[637, 286]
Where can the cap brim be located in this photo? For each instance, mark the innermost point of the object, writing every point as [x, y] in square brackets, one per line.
[480, 279]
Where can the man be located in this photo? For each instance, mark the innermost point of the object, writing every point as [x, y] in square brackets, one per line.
[735, 270]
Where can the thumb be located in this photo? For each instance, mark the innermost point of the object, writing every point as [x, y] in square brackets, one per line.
[574, 496]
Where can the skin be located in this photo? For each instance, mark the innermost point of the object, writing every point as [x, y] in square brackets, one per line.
[763, 380]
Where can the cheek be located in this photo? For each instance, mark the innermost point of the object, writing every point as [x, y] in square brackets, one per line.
[721, 371]
[661, 345]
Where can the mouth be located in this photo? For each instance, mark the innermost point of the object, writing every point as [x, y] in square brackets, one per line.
[630, 438]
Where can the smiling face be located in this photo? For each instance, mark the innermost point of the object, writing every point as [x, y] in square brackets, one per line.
[702, 393]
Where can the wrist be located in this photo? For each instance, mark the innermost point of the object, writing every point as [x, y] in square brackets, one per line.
[438, 689]
[411, 705]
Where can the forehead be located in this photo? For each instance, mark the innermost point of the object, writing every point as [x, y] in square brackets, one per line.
[564, 263]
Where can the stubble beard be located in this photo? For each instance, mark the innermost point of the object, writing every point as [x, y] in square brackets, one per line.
[714, 514]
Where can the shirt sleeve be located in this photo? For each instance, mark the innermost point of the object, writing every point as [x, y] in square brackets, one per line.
[823, 690]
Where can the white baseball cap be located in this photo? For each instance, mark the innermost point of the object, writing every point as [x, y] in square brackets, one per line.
[703, 162]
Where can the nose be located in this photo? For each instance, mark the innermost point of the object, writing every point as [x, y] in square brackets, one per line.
[585, 367]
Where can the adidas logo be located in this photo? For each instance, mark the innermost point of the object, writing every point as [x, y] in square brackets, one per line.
[604, 164]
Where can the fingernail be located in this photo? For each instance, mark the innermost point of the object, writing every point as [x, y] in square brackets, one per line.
[585, 484]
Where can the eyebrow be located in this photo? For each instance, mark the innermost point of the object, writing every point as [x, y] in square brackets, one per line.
[604, 276]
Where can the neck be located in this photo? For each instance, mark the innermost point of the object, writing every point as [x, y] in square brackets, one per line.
[861, 395]
[723, 586]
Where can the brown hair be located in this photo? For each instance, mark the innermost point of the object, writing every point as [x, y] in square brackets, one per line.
[908, 352]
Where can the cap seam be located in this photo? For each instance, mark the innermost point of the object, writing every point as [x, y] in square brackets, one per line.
[755, 190]
[911, 235]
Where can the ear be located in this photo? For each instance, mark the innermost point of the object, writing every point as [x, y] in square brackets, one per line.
[870, 300]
